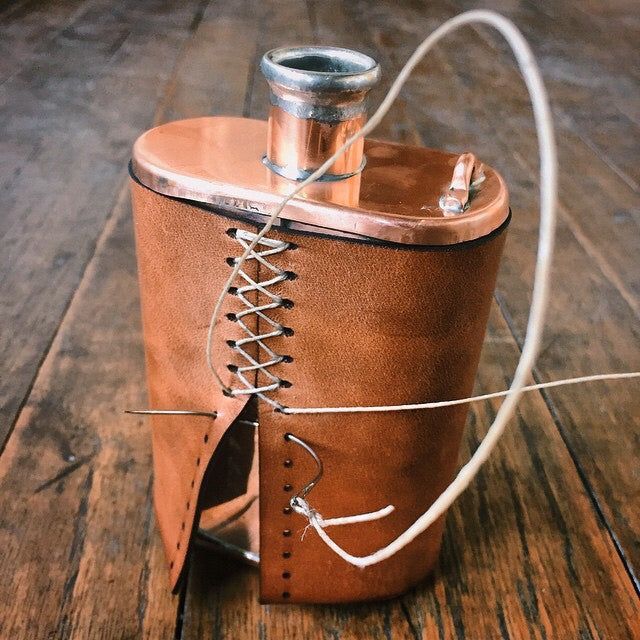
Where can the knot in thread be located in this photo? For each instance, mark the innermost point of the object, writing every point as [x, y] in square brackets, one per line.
[303, 508]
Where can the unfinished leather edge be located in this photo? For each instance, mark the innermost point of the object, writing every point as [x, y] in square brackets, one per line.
[178, 564]
[177, 547]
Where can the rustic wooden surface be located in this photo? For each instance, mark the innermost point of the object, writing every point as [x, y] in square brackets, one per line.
[543, 545]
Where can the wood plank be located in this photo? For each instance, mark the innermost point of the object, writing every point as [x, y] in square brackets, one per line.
[29, 26]
[593, 179]
[598, 82]
[68, 120]
[592, 326]
[80, 555]
[593, 131]
[88, 467]
[213, 77]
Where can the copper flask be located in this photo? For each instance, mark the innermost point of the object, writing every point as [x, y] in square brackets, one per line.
[373, 288]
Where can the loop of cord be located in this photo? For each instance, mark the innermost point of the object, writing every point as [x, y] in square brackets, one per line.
[540, 292]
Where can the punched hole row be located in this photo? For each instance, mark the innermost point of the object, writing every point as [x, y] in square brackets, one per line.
[287, 510]
[281, 302]
[183, 524]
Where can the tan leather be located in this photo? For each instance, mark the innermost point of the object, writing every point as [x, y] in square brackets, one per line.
[371, 325]
[181, 254]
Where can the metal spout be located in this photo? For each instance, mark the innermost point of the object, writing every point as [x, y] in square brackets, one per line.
[318, 101]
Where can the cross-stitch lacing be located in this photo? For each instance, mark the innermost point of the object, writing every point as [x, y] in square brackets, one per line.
[272, 247]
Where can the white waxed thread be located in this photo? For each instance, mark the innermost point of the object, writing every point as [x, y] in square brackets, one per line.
[540, 292]
[319, 523]
[449, 403]
[273, 247]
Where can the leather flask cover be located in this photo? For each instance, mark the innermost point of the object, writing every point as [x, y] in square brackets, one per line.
[367, 323]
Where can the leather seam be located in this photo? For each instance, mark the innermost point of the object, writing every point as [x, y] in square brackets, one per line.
[191, 501]
[265, 248]
[285, 554]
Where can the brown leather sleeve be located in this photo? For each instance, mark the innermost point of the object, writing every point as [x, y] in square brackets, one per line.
[369, 325]
[372, 325]
[181, 254]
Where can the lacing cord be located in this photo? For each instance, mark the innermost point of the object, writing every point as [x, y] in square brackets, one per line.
[271, 248]
[540, 294]
[300, 505]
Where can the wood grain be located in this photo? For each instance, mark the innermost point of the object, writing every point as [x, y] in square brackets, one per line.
[77, 528]
[28, 27]
[68, 119]
[541, 546]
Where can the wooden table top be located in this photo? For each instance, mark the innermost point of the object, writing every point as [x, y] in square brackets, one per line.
[545, 542]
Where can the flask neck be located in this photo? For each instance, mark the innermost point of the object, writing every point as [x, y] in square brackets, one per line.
[318, 101]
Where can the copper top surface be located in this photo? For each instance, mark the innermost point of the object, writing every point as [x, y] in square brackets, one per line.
[218, 161]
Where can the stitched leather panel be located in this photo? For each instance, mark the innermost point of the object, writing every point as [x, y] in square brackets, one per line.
[372, 325]
[181, 254]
